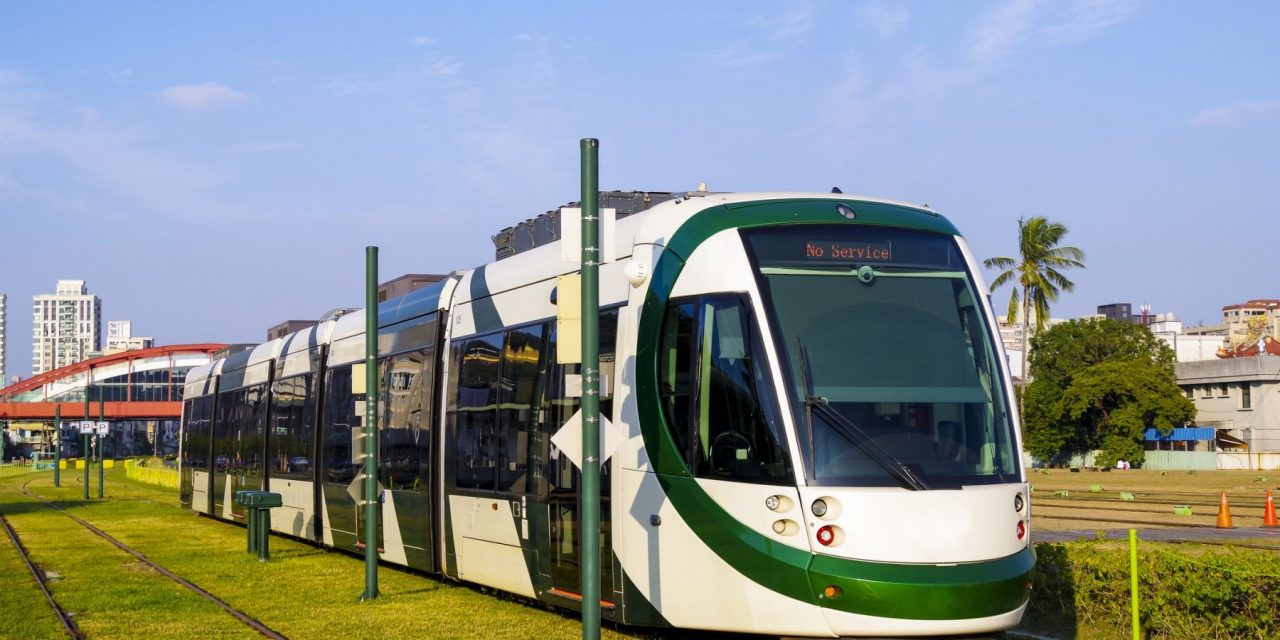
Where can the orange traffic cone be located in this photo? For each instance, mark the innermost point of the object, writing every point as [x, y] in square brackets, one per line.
[1269, 513]
[1224, 513]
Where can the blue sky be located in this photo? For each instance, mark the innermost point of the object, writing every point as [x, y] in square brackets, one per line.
[211, 170]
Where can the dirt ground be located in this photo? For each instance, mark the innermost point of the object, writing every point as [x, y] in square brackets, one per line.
[1062, 499]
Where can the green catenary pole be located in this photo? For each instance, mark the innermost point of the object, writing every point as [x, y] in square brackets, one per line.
[57, 444]
[589, 499]
[84, 451]
[101, 448]
[1133, 581]
[371, 425]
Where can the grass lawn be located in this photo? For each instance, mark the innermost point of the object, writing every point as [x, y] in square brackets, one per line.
[303, 592]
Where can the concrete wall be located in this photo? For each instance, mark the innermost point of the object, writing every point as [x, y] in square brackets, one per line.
[1181, 460]
[1257, 461]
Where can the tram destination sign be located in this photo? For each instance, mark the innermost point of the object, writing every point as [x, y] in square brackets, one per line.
[847, 251]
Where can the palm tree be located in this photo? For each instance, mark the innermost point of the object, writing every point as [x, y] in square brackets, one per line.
[1037, 272]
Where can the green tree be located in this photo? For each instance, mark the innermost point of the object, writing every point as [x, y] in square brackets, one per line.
[1098, 384]
[1036, 274]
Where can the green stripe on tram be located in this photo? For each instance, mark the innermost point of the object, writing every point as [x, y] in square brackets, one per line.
[879, 589]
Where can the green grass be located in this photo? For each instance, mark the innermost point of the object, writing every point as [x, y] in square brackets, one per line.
[23, 608]
[303, 592]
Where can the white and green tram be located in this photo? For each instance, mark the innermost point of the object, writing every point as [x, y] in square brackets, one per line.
[815, 431]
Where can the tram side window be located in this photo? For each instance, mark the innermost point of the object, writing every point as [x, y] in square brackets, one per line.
[195, 450]
[292, 420]
[225, 429]
[477, 361]
[676, 367]
[719, 399]
[406, 432]
[560, 472]
[251, 419]
[518, 395]
[339, 414]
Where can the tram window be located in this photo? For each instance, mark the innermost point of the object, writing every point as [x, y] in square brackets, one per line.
[407, 427]
[518, 395]
[195, 450]
[292, 420]
[251, 418]
[477, 362]
[339, 413]
[676, 369]
[558, 408]
[719, 399]
[224, 430]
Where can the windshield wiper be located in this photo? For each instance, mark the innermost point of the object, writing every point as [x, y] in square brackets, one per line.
[853, 433]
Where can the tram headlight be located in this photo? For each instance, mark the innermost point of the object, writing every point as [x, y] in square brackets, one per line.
[772, 503]
[1019, 503]
[819, 507]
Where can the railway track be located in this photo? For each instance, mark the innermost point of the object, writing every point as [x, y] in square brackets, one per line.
[1125, 521]
[243, 617]
[42, 581]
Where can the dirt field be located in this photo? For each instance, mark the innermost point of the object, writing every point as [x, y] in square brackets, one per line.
[1094, 500]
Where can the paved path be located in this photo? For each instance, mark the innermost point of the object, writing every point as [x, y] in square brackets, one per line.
[1173, 534]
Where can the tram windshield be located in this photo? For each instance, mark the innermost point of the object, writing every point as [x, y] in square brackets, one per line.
[893, 376]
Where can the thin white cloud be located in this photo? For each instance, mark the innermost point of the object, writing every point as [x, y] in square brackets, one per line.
[122, 75]
[742, 56]
[922, 79]
[885, 20]
[264, 148]
[8, 77]
[445, 66]
[121, 171]
[1002, 30]
[1019, 23]
[1084, 19]
[793, 24]
[422, 41]
[202, 96]
[764, 37]
[1235, 114]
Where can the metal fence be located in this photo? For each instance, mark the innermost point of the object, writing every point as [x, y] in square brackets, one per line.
[148, 470]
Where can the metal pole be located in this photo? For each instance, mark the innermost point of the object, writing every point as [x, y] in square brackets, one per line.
[589, 497]
[84, 452]
[1133, 581]
[371, 424]
[57, 445]
[101, 448]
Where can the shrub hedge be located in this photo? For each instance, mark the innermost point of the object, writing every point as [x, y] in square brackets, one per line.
[1081, 589]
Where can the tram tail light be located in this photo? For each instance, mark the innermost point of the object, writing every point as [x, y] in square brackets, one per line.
[1022, 530]
[828, 535]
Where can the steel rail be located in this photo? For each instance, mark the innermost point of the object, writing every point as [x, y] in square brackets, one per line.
[249, 621]
[37, 573]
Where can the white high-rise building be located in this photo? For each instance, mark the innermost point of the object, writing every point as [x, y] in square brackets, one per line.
[120, 337]
[3, 298]
[67, 326]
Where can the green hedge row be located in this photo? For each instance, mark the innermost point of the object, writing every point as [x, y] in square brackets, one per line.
[1081, 589]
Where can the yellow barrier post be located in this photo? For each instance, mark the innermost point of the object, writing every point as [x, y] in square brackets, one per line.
[1133, 581]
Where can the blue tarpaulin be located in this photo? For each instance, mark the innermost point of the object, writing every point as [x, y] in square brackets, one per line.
[1180, 433]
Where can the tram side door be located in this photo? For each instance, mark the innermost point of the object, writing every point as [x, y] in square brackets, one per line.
[559, 554]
